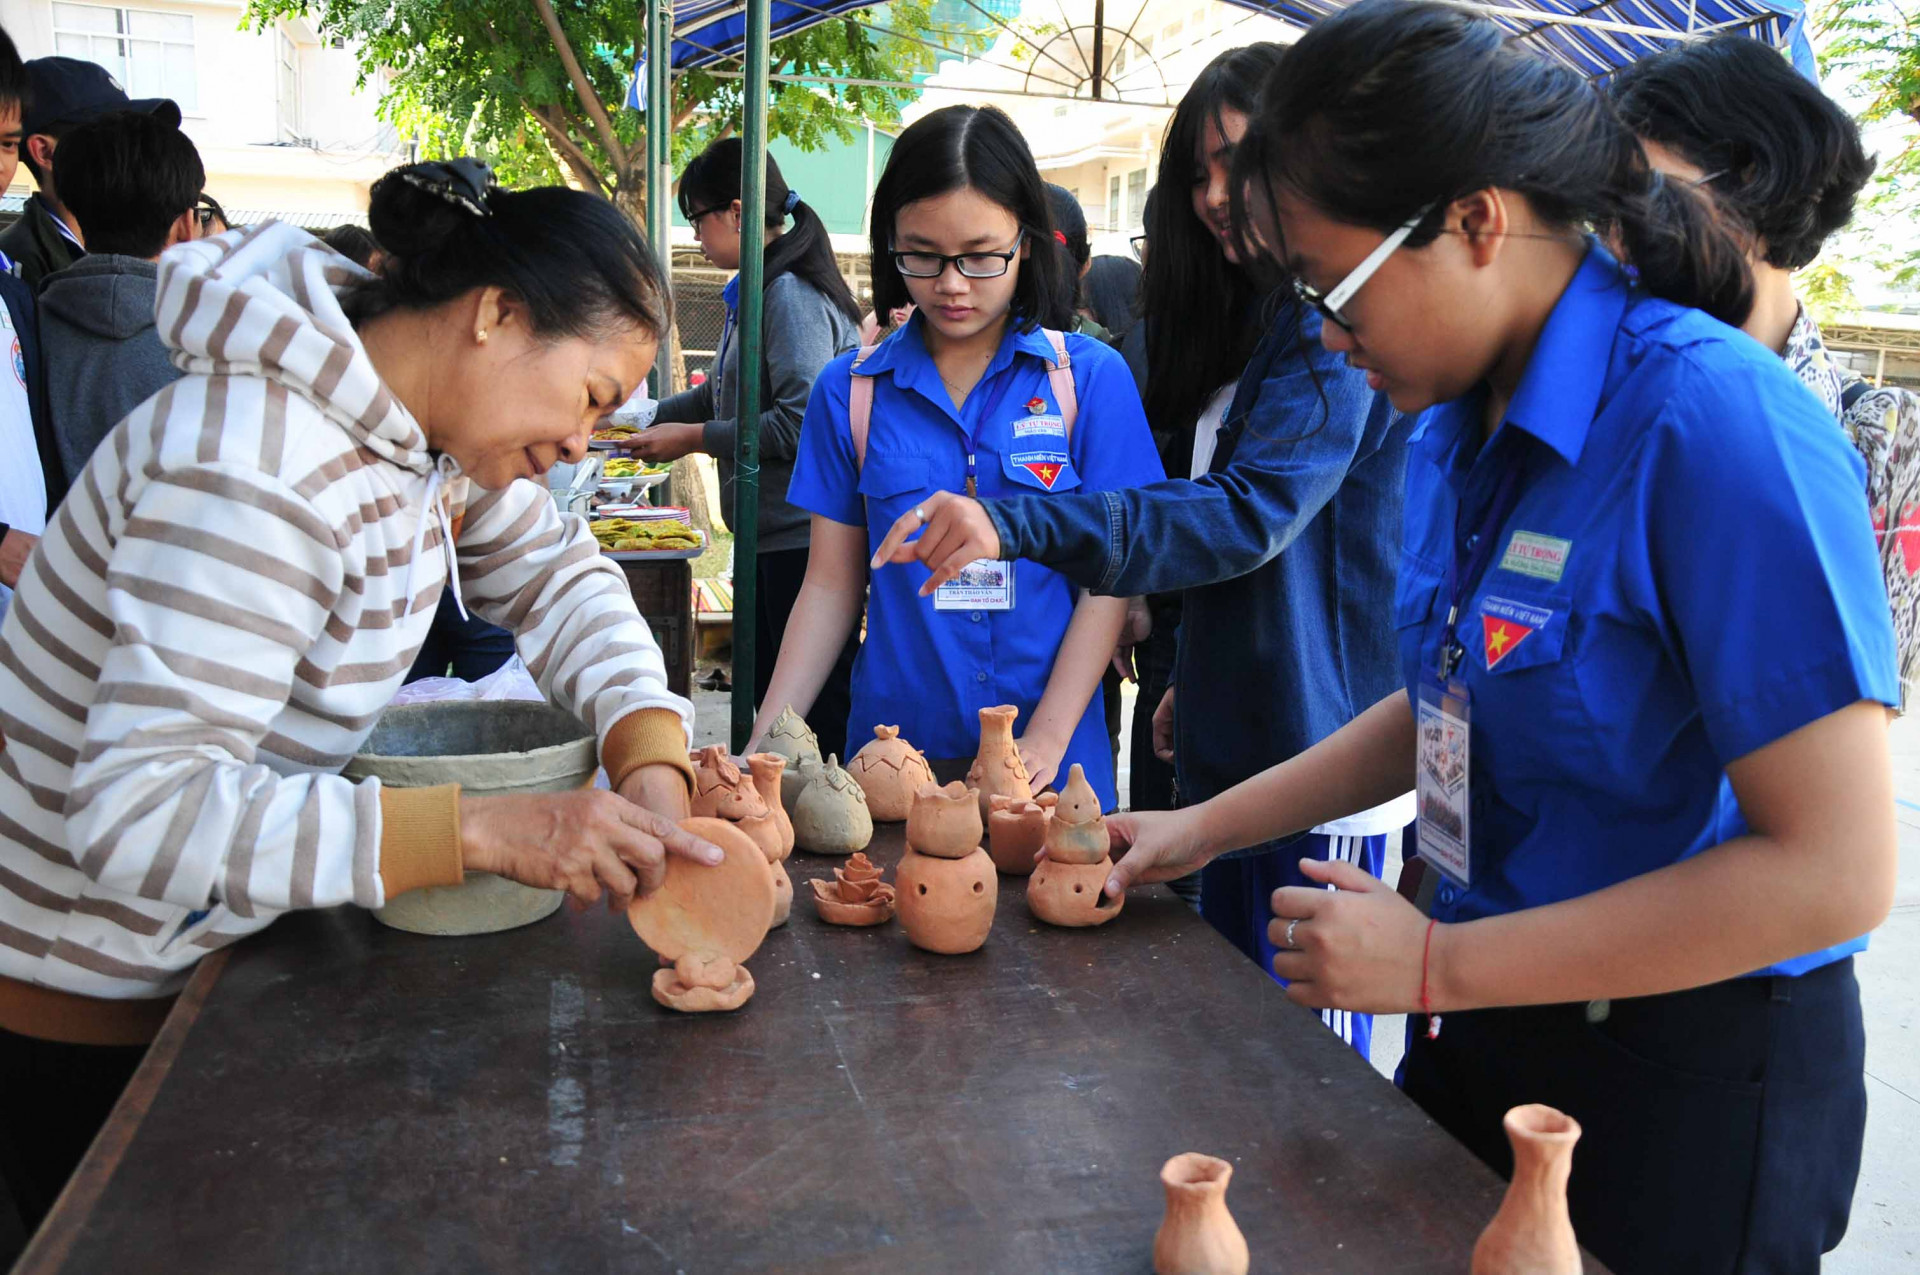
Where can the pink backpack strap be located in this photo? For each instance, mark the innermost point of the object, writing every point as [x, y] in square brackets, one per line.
[1060, 377]
[860, 406]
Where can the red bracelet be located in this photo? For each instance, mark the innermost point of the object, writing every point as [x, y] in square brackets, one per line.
[1426, 1001]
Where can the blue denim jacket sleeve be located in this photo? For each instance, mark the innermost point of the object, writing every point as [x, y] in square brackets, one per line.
[1300, 421]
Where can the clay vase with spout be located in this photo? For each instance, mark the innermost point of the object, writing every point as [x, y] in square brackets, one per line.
[767, 769]
[1198, 1236]
[1070, 887]
[1532, 1233]
[890, 771]
[998, 770]
[945, 893]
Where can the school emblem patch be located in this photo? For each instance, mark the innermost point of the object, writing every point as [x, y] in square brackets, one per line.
[1506, 624]
[1048, 472]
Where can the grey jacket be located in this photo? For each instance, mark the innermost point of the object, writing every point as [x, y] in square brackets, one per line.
[103, 357]
[803, 331]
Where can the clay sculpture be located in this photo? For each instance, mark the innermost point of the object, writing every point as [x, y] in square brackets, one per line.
[767, 770]
[706, 920]
[1069, 887]
[998, 770]
[946, 886]
[831, 816]
[792, 738]
[890, 771]
[1015, 832]
[721, 791]
[857, 895]
[1532, 1232]
[1198, 1236]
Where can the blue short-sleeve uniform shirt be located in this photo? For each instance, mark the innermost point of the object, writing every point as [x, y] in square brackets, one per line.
[1688, 575]
[931, 672]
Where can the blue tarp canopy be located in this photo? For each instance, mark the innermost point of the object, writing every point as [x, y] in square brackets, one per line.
[1595, 38]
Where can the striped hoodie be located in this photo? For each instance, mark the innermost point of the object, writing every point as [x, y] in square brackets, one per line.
[223, 605]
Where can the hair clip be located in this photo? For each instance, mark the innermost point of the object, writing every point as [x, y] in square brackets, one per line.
[465, 182]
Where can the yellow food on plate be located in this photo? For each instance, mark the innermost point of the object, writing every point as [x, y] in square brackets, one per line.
[626, 535]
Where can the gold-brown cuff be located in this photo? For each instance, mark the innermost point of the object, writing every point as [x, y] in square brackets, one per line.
[646, 737]
[419, 838]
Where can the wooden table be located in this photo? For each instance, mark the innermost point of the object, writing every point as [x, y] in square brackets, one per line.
[341, 1097]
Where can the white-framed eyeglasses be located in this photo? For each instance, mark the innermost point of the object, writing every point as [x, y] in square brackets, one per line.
[1333, 303]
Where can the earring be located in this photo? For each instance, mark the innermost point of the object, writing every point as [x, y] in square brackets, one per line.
[481, 336]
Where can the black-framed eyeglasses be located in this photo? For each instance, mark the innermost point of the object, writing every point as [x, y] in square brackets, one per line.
[1332, 305]
[1139, 245]
[205, 211]
[693, 219]
[971, 265]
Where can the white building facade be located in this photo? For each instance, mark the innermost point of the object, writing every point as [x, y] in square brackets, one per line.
[276, 114]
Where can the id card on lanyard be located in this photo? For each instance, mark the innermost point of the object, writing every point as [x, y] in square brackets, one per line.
[1443, 725]
[983, 584]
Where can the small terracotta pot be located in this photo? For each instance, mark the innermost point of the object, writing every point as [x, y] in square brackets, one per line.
[857, 895]
[782, 894]
[720, 790]
[1015, 833]
[764, 831]
[945, 822]
[997, 767]
[946, 905]
[767, 770]
[1198, 1236]
[1077, 833]
[1072, 894]
[1532, 1233]
[890, 771]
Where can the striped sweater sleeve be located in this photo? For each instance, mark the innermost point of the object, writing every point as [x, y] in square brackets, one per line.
[531, 570]
[214, 588]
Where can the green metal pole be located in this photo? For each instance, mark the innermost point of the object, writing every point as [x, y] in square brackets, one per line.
[660, 164]
[753, 242]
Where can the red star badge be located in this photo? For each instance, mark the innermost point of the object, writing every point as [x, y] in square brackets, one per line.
[1502, 637]
[1047, 472]
[1036, 405]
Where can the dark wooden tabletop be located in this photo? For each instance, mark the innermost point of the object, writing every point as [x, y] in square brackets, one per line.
[346, 1098]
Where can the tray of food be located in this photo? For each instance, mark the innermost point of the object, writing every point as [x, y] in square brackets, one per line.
[630, 539]
[611, 437]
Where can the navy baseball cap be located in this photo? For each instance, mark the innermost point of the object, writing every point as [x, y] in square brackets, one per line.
[71, 91]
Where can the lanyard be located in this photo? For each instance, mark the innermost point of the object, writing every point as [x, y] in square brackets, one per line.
[1459, 584]
[720, 356]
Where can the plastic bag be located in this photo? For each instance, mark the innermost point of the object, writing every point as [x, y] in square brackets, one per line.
[510, 681]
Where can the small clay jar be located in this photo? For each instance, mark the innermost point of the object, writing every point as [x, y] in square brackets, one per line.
[946, 905]
[998, 770]
[856, 896]
[1015, 832]
[767, 769]
[1077, 833]
[945, 822]
[1532, 1233]
[721, 791]
[831, 816]
[890, 771]
[1072, 894]
[1198, 1236]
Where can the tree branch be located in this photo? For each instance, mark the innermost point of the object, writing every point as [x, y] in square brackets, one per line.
[569, 150]
[583, 87]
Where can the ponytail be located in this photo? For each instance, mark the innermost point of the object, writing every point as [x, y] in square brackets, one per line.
[1395, 105]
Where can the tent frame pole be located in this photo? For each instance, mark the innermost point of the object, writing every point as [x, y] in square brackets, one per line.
[660, 167]
[745, 514]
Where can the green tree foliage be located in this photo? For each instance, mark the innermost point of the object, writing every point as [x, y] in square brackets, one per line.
[1875, 46]
[539, 87]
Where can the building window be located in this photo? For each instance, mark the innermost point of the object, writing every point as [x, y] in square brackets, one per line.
[1113, 203]
[287, 89]
[1136, 196]
[151, 54]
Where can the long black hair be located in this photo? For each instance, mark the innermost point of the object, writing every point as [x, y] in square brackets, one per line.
[1778, 154]
[574, 260]
[1396, 105]
[1070, 236]
[1112, 291]
[712, 180]
[1201, 310]
[973, 148]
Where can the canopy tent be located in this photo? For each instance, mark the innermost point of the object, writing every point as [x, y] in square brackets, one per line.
[730, 38]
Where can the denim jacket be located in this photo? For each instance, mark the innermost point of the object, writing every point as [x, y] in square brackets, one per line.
[1287, 550]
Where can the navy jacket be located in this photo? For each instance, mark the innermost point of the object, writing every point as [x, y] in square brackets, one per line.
[1288, 550]
[18, 298]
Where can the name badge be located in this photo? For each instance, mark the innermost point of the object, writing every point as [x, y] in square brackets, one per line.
[1040, 427]
[982, 585]
[1442, 755]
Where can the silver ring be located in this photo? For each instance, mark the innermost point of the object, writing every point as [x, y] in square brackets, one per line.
[1288, 942]
[920, 513]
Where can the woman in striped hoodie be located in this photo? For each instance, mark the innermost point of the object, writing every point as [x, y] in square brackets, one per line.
[238, 581]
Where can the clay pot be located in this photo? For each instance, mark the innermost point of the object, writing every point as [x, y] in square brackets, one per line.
[890, 771]
[720, 790]
[782, 895]
[704, 921]
[857, 895]
[1077, 833]
[997, 768]
[946, 905]
[1015, 832]
[945, 822]
[1071, 894]
[767, 769]
[1532, 1232]
[1198, 1236]
[792, 738]
[831, 816]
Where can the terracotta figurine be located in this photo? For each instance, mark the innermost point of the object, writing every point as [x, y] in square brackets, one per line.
[856, 897]
[946, 886]
[1532, 1233]
[704, 921]
[998, 770]
[722, 791]
[1068, 888]
[890, 771]
[1198, 1236]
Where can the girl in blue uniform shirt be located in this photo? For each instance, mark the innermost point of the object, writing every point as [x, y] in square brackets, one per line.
[963, 399]
[1646, 649]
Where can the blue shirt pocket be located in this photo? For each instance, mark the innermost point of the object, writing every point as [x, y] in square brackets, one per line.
[892, 484]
